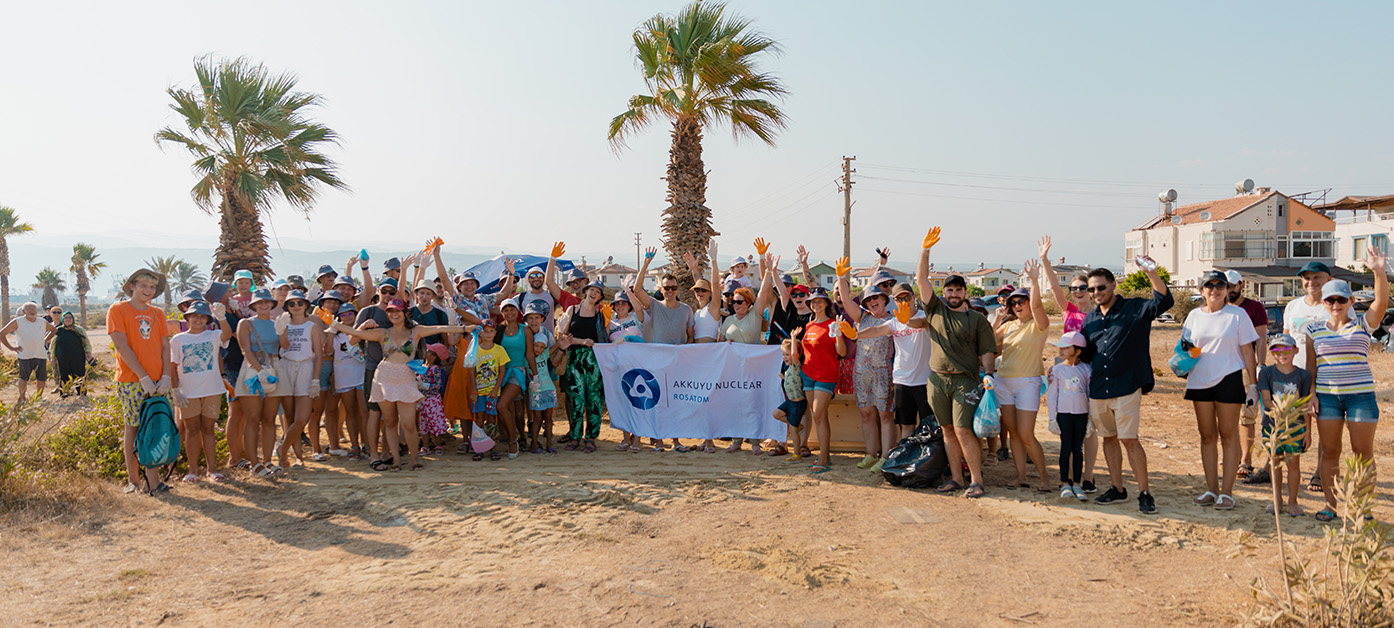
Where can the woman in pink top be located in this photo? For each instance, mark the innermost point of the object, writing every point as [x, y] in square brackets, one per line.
[1074, 305]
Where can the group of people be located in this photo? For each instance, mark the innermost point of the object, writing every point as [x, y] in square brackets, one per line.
[387, 368]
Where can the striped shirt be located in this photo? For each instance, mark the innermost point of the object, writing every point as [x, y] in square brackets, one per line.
[1343, 365]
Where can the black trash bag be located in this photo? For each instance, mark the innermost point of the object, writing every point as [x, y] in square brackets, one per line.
[919, 460]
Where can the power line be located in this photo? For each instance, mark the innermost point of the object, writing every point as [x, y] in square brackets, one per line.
[796, 183]
[1173, 184]
[783, 211]
[998, 187]
[996, 200]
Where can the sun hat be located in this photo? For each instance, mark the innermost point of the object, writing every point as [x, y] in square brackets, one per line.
[326, 270]
[297, 295]
[1335, 288]
[738, 261]
[575, 275]
[346, 308]
[702, 284]
[1070, 339]
[1024, 293]
[161, 284]
[510, 302]
[597, 284]
[215, 291]
[261, 294]
[243, 274]
[958, 280]
[280, 283]
[535, 270]
[539, 337]
[189, 297]
[198, 307]
[1213, 275]
[787, 279]
[465, 276]
[819, 293]
[620, 297]
[537, 307]
[345, 280]
[902, 287]
[1233, 277]
[488, 322]
[440, 351]
[881, 277]
[296, 281]
[873, 291]
[392, 263]
[1314, 267]
[1282, 340]
[387, 281]
[332, 295]
[978, 303]
[396, 304]
[1006, 287]
[422, 284]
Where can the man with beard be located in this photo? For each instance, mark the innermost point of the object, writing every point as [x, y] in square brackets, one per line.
[962, 343]
[1259, 317]
[1118, 332]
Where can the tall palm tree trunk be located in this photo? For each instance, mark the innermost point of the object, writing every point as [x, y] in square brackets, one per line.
[242, 244]
[687, 223]
[5, 281]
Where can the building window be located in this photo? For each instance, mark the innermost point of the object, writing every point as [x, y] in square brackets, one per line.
[1358, 251]
[1236, 245]
[991, 283]
[1190, 250]
[1380, 243]
[1132, 248]
[1308, 244]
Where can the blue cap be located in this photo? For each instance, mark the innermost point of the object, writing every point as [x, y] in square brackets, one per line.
[198, 307]
[280, 283]
[729, 286]
[244, 274]
[191, 295]
[534, 307]
[215, 291]
[388, 281]
[297, 295]
[1314, 267]
[1335, 288]
[787, 279]
[326, 270]
[392, 263]
[575, 274]
[262, 294]
[465, 276]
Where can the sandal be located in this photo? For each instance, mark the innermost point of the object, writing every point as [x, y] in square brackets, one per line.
[1325, 514]
[818, 468]
[495, 456]
[463, 450]
[1270, 508]
[1262, 476]
[395, 467]
[574, 445]
[975, 490]
[1244, 471]
[949, 487]
[681, 448]
[711, 450]
[1296, 511]
[793, 459]
[551, 450]
[989, 459]
[804, 451]
[417, 467]
[378, 465]
[756, 450]
[1315, 485]
[588, 448]
[1224, 502]
[537, 451]
[1206, 499]
[217, 477]
[189, 479]
[438, 451]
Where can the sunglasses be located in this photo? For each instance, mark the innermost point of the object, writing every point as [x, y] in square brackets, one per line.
[667, 288]
[738, 301]
[1337, 300]
[387, 291]
[701, 290]
[1079, 288]
[800, 295]
[1216, 286]
[1095, 289]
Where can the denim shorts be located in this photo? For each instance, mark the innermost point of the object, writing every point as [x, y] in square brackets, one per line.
[1353, 407]
[812, 384]
[514, 375]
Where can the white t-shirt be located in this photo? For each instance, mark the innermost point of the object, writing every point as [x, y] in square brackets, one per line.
[30, 335]
[704, 325]
[1296, 316]
[196, 356]
[743, 280]
[620, 328]
[910, 366]
[1219, 336]
[348, 362]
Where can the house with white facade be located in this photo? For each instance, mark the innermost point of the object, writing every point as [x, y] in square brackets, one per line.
[1361, 222]
[990, 279]
[1263, 234]
[1064, 274]
[612, 274]
[861, 277]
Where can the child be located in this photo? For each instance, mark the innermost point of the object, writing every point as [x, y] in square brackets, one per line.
[431, 410]
[627, 325]
[542, 390]
[792, 410]
[488, 370]
[197, 381]
[348, 376]
[1286, 378]
[140, 338]
[1067, 401]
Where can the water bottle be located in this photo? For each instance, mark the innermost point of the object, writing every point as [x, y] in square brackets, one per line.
[363, 255]
[1146, 263]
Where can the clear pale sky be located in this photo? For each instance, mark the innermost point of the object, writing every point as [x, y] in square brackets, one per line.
[485, 122]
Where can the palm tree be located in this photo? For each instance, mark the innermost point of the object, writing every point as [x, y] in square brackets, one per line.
[166, 266]
[187, 277]
[50, 283]
[10, 224]
[85, 267]
[700, 67]
[252, 143]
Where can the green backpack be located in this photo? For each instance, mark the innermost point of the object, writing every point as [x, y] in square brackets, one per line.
[157, 438]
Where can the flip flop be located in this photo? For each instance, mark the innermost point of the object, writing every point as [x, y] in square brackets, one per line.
[975, 490]
[1325, 514]
[217, 477]
[818, 468]
[949, 487]
[793, 460]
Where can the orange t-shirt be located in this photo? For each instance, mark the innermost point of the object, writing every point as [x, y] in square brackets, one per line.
[145, 332]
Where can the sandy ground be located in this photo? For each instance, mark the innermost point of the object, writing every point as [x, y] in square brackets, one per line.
[652, 539]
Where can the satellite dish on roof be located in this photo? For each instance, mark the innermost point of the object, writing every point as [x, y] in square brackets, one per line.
[1175, 220]
[1167, 196]
[1244, 187]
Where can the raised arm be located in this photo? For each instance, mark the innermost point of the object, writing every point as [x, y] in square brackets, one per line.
[1376, 260]
[376, 334]
[779, 286]
[714, 305]
[558, 250]
[422, 331]
[844, 284]
[1054, 280]
[1038, 312]
[220, 314]
[638, 294]
[762, 298]
[802, 255]
[922, 269]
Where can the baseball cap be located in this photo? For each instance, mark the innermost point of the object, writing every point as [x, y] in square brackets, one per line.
[396, 304]
[1282, 340]
[575, 274]
[729, 286]
[326, 270]
[1314, 267]
[958, 280]
[1006, 287]
[1070, 339]
[1213, 275]
[440, 351]
[392, 263]
[1335, 288]
[1233, 277]
[903, 287]
[798, 288]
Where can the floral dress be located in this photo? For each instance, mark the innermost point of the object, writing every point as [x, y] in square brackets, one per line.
[872, 379]
[431, 410]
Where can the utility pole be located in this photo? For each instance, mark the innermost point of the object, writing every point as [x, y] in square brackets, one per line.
[846, 186]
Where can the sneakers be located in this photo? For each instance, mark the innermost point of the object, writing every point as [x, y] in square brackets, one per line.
[1066, 492]
[1089, 487]
[1078, 493]
[1145, 505]
[1113, 494]
[866, 462]
[876, 468]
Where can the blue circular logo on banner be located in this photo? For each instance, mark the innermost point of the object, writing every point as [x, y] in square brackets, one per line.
[641, 388]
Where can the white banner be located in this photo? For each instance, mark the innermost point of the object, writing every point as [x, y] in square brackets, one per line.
[711, 390]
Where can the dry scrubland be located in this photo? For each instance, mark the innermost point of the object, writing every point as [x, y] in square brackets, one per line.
[648, 539]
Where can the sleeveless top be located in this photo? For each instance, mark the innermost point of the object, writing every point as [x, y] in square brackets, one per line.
[31, 337]
[299, 338]
[263, 338]
[1074, 318]
[745, 331]
[583, 326]
[704, 325]
[516, 346]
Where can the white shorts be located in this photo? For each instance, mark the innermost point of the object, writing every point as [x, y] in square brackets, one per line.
[1024, 393]
[245, 373]
[295, 376]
